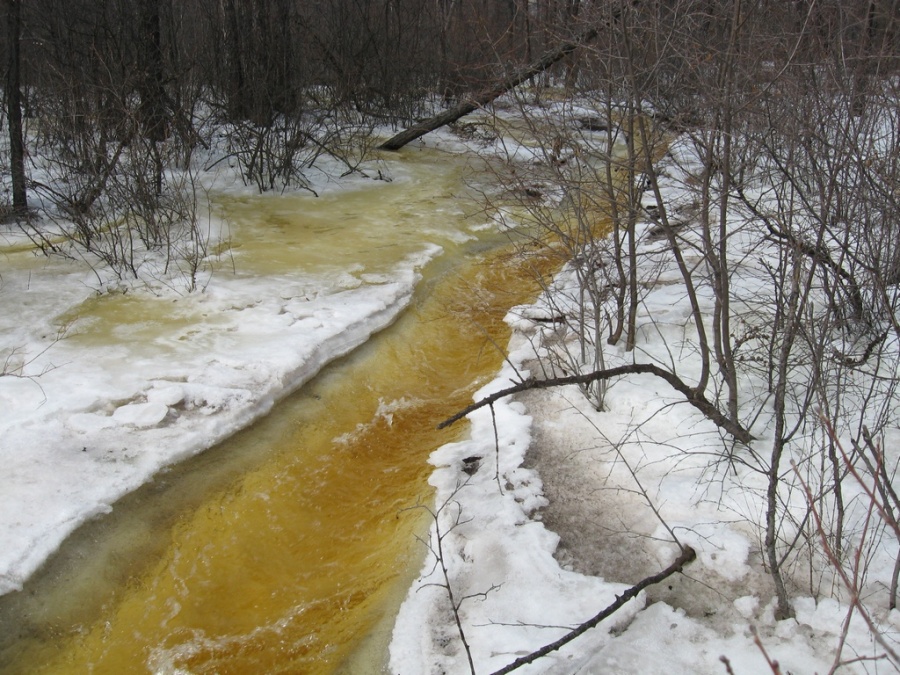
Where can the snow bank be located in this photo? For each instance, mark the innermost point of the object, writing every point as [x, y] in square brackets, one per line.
[513, 597]
[648, 445]
[98, 393]
[107, 415]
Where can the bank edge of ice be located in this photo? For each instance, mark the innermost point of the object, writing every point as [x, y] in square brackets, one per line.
[517, 598]
[513, 595]
[121, 418]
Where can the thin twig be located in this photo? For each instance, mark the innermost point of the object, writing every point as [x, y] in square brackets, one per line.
[496, 450]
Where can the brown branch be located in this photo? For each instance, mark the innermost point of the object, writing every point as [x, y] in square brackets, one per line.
[695, 398]
[850, 584]
[480, 100]
[687, 555]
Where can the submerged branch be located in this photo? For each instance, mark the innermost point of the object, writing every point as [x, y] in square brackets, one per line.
[694, 397]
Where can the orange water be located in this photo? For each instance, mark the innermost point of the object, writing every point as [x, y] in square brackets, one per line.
[295, 551]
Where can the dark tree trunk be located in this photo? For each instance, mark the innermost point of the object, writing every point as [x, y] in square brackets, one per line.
[14, 107]
[237, 97]
[153, 94]
[154, 120]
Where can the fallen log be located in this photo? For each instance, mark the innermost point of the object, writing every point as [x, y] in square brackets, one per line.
[473, 103]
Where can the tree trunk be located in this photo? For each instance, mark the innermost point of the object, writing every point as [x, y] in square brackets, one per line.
[14, 107]
[237, 96]
[464, 108]
[154, 119]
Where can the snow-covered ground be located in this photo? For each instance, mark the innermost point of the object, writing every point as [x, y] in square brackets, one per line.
[516, 597]
[613, 487]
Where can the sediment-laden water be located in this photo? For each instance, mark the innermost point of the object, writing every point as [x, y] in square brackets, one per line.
[289, 547]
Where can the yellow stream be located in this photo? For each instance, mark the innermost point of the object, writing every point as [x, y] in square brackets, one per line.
[292, 565]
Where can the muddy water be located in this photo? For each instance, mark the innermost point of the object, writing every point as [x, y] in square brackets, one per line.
[288, 548]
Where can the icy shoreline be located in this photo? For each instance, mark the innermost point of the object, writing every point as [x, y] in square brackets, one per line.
[120, 418]
[518, 586]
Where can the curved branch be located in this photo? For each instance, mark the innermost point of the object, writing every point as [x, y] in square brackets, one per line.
[694, 397]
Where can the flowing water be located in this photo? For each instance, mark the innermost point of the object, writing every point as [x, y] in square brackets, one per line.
[289, 547]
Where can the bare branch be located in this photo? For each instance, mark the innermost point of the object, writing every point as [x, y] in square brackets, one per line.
[695, 398]
[687, 555]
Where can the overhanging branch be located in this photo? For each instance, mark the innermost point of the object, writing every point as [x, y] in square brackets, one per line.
[694, 397]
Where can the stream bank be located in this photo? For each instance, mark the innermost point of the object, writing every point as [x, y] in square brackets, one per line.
[283, 547]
